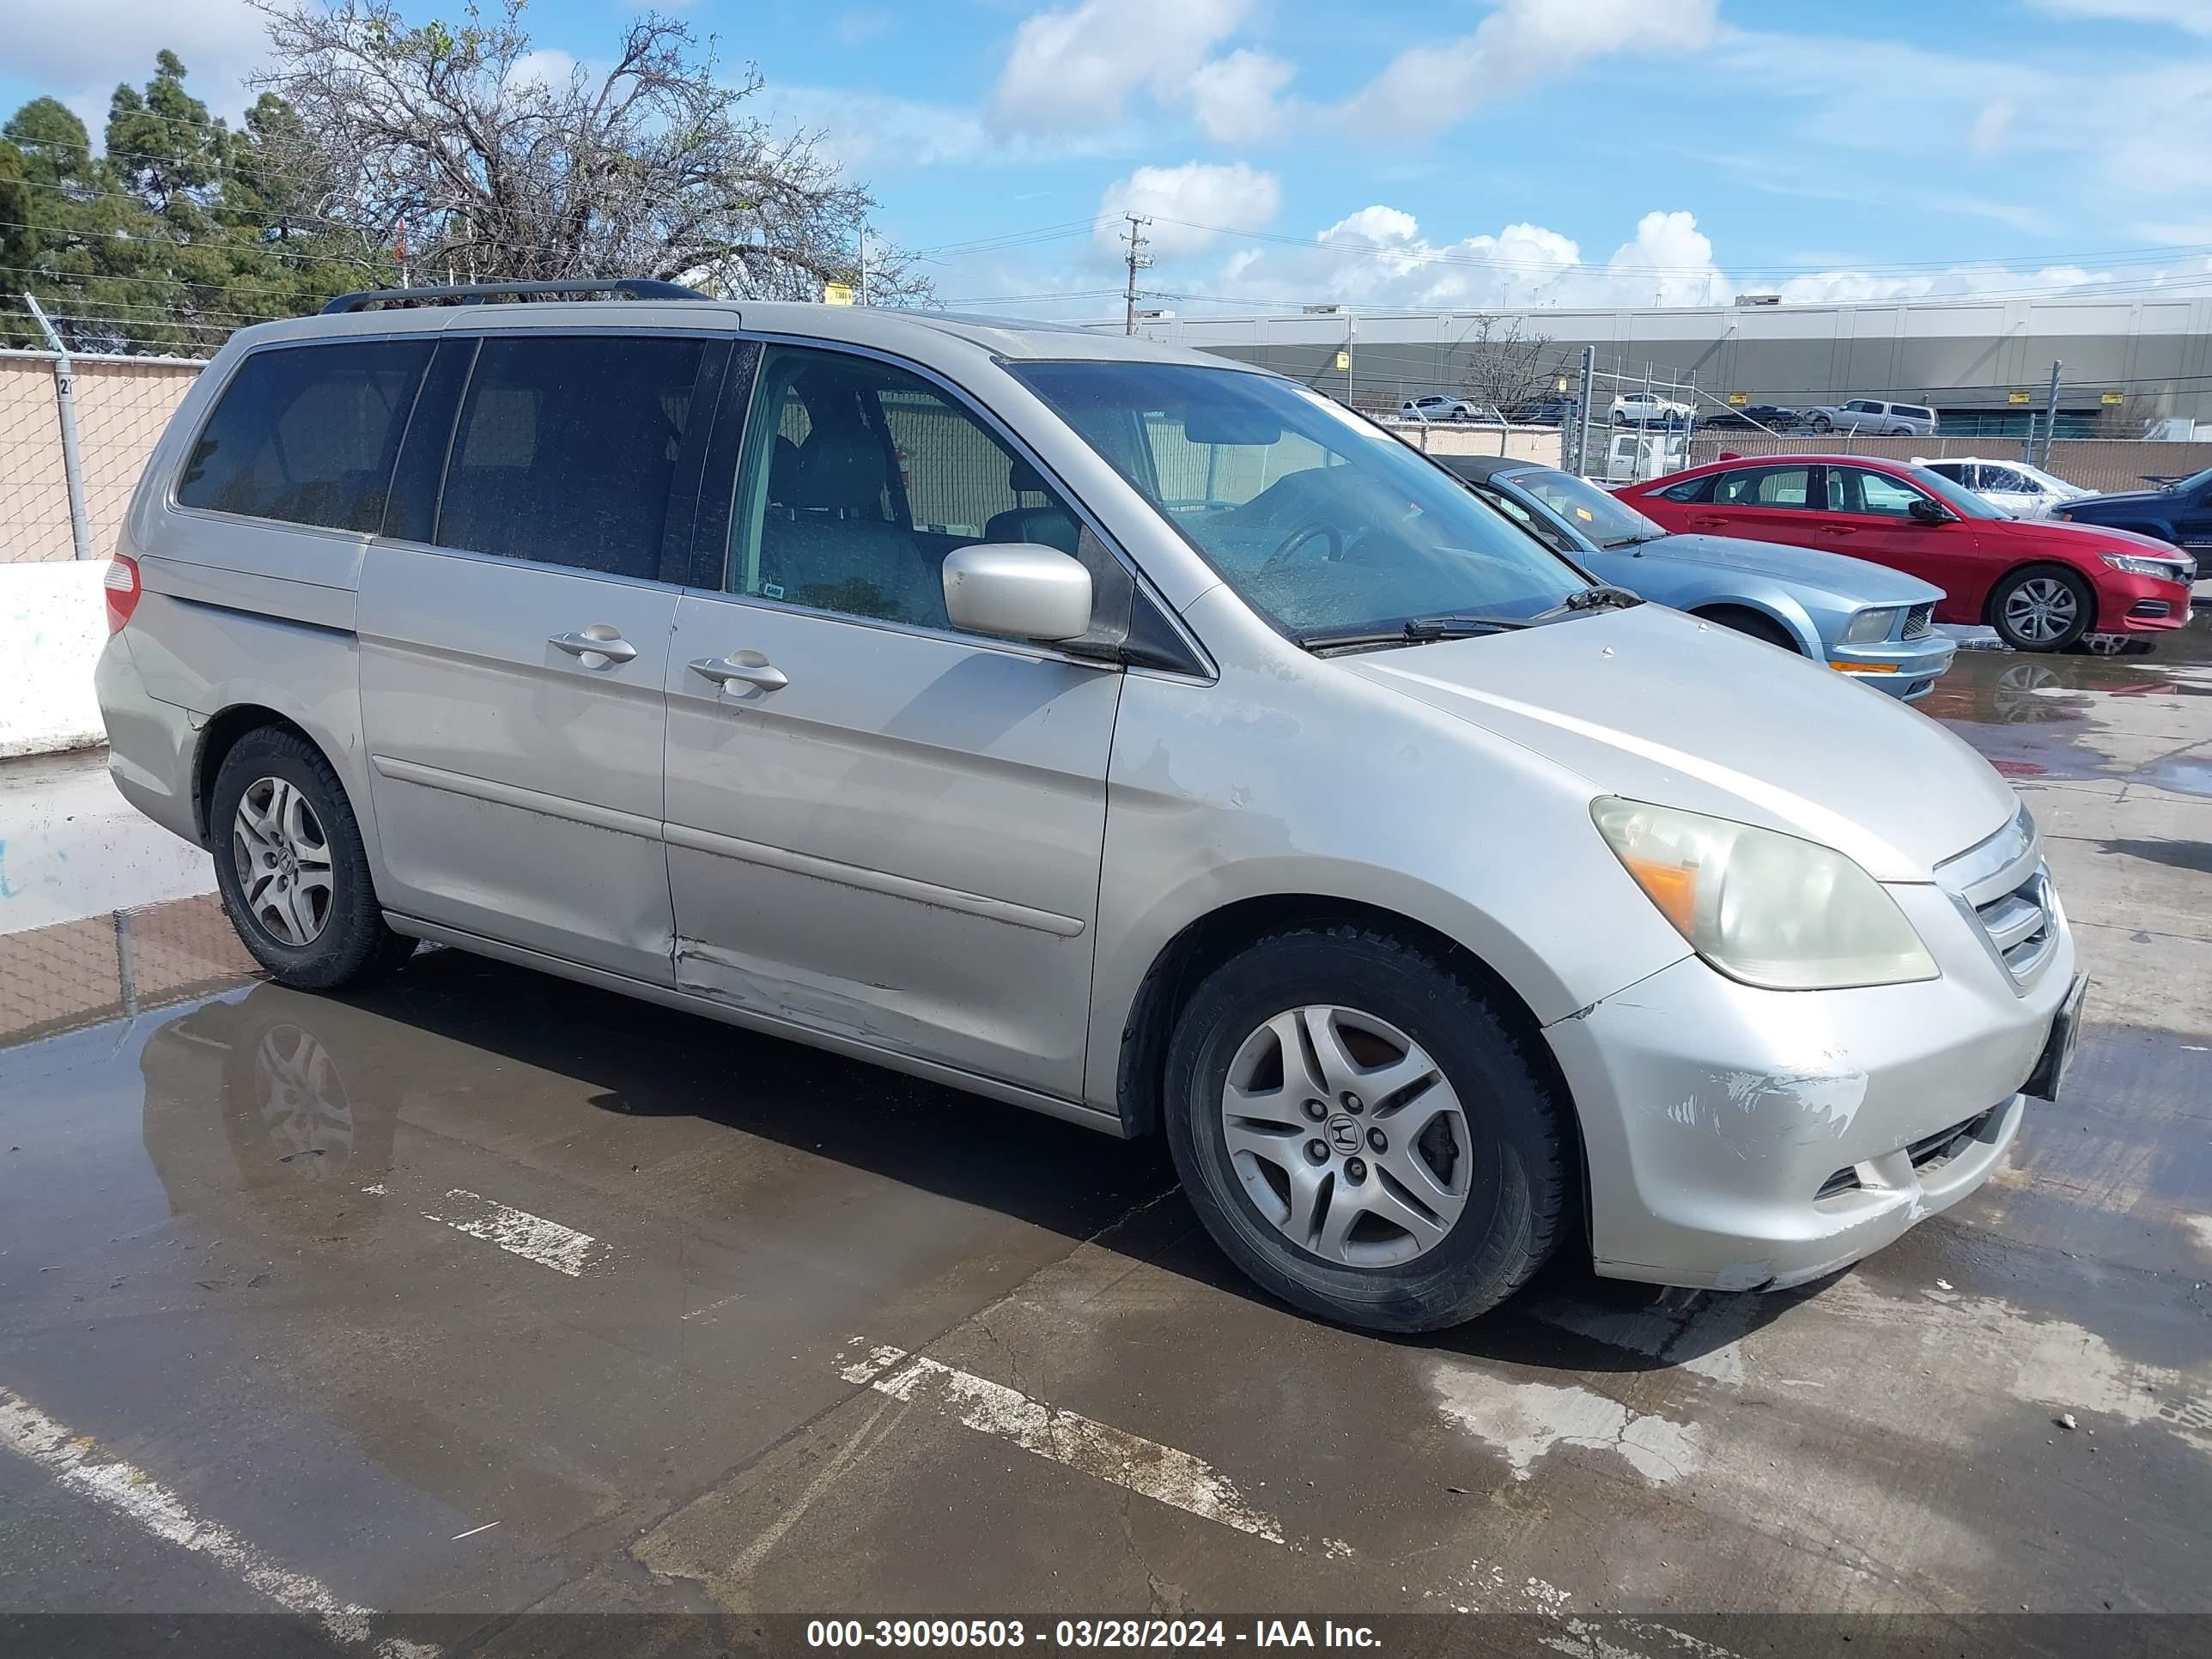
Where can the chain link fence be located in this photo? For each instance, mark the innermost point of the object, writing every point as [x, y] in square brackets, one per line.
[119, 406]
[76, 974]
[2099, 464]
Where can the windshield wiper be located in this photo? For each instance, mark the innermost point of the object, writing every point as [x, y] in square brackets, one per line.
[1415, 630]
[1637, 540]
[1423, 630]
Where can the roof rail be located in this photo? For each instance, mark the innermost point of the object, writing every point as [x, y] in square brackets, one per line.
[469, 294]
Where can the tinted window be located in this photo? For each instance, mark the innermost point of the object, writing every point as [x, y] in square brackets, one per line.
[859, 478]
[2004, 478]
[567, 448]
[1957, 471]
[307, 434]
[1763, 486]
[1692, 489]
[1915, 412]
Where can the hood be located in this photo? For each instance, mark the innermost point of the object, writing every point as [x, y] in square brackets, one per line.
[1654, 706]
[2084, 540]
[1833, 573]
[2158, 501]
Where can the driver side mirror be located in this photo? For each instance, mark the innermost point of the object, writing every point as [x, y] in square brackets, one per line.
[1017, 590]
[1925, 511]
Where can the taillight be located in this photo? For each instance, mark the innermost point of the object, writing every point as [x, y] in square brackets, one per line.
[121, 584]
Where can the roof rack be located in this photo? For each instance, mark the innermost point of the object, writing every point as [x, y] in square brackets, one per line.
[469, 294]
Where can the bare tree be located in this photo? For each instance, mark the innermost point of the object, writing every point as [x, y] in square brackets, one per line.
[1507, 368]
[2133, 416]
[489, 159]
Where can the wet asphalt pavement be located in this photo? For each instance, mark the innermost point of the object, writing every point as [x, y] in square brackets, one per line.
[488, 1293]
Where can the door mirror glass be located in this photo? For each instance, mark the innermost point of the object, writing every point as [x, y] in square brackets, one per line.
[1017, 590]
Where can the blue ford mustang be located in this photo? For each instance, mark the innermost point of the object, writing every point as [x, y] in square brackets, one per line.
[1864, 620]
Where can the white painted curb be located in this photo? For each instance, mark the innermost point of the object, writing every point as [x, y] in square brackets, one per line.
[53, 622]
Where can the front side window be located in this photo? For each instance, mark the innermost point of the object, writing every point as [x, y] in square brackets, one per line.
[307, 434]
[859, 478]
[1763, 486]
[566, 447]
[1875, 494]
[1321, 522]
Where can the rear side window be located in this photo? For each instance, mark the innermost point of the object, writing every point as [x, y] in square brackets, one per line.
[566, 447]
[1692, 489]
[1763, 486]
[307, 434]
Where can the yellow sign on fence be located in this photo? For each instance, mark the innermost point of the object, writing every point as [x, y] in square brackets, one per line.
[836, 293]
[1344, 360]
[1738, 399]
[2019, 396]
[2114, 399]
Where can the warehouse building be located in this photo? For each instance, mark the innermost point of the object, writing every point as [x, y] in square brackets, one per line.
[2130, 360]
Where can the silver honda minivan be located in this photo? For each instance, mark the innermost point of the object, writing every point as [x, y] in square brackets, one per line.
[1121, 732]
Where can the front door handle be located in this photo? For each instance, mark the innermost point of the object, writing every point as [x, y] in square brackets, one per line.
[723, 669]
[599, 640]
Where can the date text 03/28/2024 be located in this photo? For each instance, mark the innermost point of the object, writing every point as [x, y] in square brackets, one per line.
[1085, 1633]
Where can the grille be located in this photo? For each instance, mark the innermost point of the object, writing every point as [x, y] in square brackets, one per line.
[1937, 1150]
[1919, 621]
[2019, 923]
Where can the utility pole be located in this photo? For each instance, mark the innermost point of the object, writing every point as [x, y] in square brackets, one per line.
[862, 298]
[1138, 260]
[2049, 416]
[1589, 390]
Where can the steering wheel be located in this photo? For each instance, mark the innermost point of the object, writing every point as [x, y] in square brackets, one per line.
[1312, 530]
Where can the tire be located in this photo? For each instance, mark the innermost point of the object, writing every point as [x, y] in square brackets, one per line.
[1752, 625]
[303, 902]
[1821, 423]
[1490, 1139]
[2042, 607]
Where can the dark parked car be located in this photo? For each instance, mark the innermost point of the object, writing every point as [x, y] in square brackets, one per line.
[2181, 513]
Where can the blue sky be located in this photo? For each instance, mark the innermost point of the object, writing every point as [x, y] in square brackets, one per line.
[1457, 152]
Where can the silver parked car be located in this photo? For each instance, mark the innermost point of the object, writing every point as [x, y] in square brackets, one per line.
[1119, 732]
[1864, 620]
[1872, 414]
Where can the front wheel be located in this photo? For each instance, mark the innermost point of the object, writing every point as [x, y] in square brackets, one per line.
[1821, 423]
[1363, 1133]
[290, 865]
[2042, 608]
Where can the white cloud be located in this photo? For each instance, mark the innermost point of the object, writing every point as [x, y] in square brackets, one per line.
[1237, 100]
[81, 51]
[2194, 16]
[1518, 46]
[1992, 126]
[547, 66]
[1190, 205]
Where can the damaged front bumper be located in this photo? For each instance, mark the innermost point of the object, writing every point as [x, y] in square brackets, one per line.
[1739, 1139]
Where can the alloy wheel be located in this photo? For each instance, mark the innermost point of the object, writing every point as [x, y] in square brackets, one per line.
[2041, 609]
[1347, 1136]
[282, 858]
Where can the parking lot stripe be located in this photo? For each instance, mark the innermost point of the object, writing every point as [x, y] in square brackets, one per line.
[532, 1237]
[75, 1460]
[1098, 1449]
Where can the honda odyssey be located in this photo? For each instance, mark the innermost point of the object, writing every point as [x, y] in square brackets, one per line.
[1115, 730]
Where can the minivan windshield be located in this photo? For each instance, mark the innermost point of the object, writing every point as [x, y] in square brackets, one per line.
[1324, 524]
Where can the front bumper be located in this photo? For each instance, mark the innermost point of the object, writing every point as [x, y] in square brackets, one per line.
[1906, 669]
[1715, 1115]
[2140, 605]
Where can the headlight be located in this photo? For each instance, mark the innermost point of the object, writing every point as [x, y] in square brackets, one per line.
[2161, 568]
[1869, 626]
[1766, 908]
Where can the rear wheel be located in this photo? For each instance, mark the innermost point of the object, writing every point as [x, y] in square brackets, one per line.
[289, 863]
[1363, 1133]
[2042, 608]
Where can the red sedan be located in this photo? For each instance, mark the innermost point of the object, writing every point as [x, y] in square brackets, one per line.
[2041, 585]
